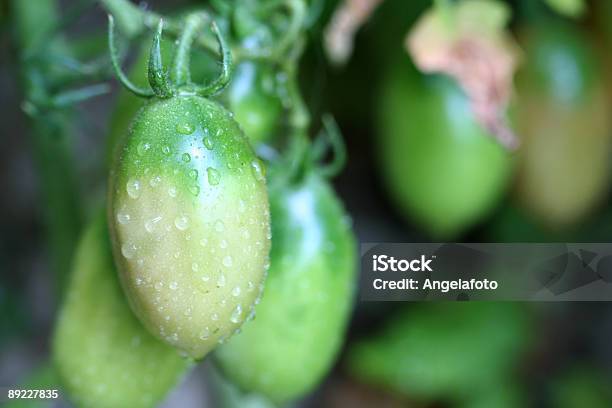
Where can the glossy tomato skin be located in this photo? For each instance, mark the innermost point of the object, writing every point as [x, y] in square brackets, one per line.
[563, 117]
[286, 351]
[253, 97]
[102, 353]
[441, 168]
[189, 219]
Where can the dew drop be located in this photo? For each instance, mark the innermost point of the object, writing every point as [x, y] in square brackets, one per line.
[221, 280]
[133, 188]
[154, 182]
[138, 281]
[128, 250]
[185, 128]
[172, 192]
[205, 334]
[203, 242]
[186, 157]
[195, 267]
[214, 177]
[123, 217]
[193, 173]
[236, 291]
[150, 224]
[208, 143]
[195, 190]
[227, 261]
[181, 222]
[166, 149]
[258, 170]
[159, 286]
[142, 148]
[236, 314]
[223, 244]
[173, 285]
[214, 316]
[205, 278]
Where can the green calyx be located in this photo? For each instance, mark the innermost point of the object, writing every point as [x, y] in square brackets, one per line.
[176, 81]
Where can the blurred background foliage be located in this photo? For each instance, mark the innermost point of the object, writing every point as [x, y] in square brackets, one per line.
[417, 355]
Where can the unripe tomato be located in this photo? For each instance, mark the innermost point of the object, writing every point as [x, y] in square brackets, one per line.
[188, 212]
[441, 168]
[103, 354]
[254, 99]
[286, 351]
[437, 351]
[563, 117]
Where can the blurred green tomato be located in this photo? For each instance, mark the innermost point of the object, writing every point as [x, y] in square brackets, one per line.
[286, 351]
[103, 355]
[446, 350]
[253, 97]
[581, 387]
[563, 117]
[441, 168]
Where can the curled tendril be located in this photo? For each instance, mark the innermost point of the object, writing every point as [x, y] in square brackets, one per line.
[125, 81]
[226, 67]
[329, 137]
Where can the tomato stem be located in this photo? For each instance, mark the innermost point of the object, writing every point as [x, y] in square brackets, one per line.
[125, 81]
[227, 67]
[158, 77]
[180, 66]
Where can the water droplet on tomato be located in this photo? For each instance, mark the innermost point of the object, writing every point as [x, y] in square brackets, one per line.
[186, 157]
[208, 143]
[214, 177]
[205, 334]
[236, 314]
[181, 222]
[185, 128]
[258, 170]
[142, 148]
[133, 188]
[150, 224]
[154, 182]
[221, 279]
[123, 217]
[227, 261]
[128, 250]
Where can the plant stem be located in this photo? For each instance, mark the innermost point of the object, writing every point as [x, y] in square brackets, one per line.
[50, 144]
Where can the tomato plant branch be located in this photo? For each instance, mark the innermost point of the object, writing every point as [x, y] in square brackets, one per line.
[49, 135]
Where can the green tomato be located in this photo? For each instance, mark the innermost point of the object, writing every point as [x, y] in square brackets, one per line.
[441, 168]
[286, 351]
[253, 98]
[103, 355]
[563, 118]
[443, 350]
[189, 218]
